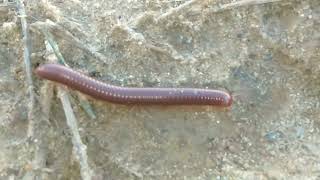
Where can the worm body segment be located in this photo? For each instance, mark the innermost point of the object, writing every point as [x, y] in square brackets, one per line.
[131, 95]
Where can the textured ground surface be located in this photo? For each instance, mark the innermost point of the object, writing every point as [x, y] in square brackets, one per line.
[266, 54]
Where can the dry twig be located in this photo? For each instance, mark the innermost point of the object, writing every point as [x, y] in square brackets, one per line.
[244, 3]
[26, 56]
[43, 27]
[79, 148]
[60, 32]
[177, 10]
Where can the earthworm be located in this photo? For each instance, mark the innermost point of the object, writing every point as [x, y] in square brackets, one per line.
[131, 95]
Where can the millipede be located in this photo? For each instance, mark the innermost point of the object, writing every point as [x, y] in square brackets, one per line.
[132, 95]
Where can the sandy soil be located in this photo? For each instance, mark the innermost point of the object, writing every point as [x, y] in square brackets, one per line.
[267, 53]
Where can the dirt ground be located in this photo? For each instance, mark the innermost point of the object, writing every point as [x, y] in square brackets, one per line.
[265, 52]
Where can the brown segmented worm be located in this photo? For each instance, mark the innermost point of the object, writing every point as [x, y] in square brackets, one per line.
[131, 95]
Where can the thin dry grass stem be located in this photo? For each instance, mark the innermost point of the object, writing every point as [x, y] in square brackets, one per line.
[177, 10]
[26, 57]
[49, 28]
[54, 47]
[60, 32]
[31, 106]
[86, 106]
[80, 149]
[83, 101]
[244, 3]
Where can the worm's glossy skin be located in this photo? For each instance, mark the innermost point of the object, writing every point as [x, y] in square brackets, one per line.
[128, 95]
